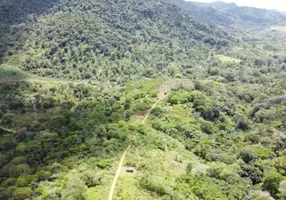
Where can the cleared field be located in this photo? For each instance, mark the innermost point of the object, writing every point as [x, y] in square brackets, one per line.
[227, 59]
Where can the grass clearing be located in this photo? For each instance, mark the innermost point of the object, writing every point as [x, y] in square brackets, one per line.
[136, 119]
[155, 165]
[9, 72]
[227, 59]
[278, 28]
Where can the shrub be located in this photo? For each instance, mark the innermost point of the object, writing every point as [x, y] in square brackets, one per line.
[103, 164]
[24, 180]
[43, 175]
[157, 111]
[271, 183]
[18, 160]
[241, 123]
[8, 182]
[247, 156]
[90, 179]
[5, 193]
[153, 186]
[7, 118]
[16, 171]
[140, 106]
[173, 98]
[260, 151]
[202, 186]
[253, 173]
[22, 193]
[280, 164]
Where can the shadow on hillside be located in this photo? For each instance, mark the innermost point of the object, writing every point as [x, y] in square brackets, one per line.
[11, 74]
[12, 93]
[13, 16]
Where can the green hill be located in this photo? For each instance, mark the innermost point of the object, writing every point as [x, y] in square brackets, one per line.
[89, 40]
[197, 112]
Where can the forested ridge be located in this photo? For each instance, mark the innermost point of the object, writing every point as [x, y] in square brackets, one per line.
[77, 78]
[230, 14]
[140, 37]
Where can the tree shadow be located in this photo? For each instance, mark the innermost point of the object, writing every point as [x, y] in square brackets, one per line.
[14, 15]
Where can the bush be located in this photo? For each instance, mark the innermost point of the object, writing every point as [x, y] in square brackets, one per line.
[90, 179]
[5, 193]
[16, 171]
[157, 111]
[7, 118]
[24, 180]
[103, 164]
[202, 186]
[43, 175]
[153, 186]
[241, 123]
[253, 173]
[260, 151]
[271, 183]
[247, 156]
[280, 164]
[22, 193]
[8, 182]
[139, 107]
[173, 98]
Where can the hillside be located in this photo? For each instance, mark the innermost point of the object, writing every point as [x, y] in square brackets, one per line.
[90, 89]
[145, 38]
[229, 14]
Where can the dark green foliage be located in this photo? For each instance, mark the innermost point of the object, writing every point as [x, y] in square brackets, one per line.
[254, 173]
[115, 43]
[103, 164]
[241, 123]
[248, 156]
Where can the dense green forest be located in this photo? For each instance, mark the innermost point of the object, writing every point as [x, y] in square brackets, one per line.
[200, 103]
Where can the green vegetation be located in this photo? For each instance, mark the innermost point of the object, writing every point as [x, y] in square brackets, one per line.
[77, 79]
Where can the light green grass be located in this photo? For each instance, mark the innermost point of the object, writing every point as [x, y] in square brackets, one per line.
[278, 28]
[227, 59]
[136, 119]
[12, 72]
[92, 194]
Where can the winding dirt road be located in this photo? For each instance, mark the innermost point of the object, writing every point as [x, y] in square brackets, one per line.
[165, 88]
[120, 165]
